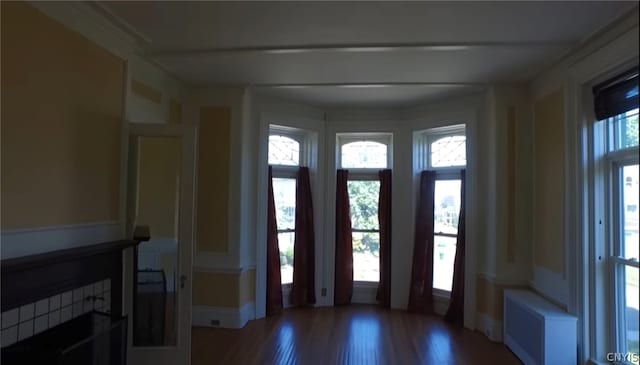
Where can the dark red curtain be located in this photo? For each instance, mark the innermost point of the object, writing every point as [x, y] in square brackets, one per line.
[421, 290]
[455, 313]
[303, 290]
[383, 294]
[343, 285]
[274, 286]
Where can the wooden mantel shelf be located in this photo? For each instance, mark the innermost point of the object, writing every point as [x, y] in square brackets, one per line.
[31, 278]
[77, 253]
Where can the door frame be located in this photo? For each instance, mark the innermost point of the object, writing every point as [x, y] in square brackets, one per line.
[181, 353]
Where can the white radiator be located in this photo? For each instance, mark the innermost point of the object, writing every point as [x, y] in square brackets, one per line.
[537, 331]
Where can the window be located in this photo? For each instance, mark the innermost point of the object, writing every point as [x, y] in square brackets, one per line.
[445, 150]
[449, 151]
[364, 156]
[283, 151]
[622, 131]
[284, 194]
[284, 157]
[363, 201]
[445, 226]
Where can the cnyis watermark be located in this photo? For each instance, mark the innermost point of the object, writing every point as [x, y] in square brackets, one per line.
[622, 357]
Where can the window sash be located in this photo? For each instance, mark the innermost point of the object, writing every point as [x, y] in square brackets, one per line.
[617, 160]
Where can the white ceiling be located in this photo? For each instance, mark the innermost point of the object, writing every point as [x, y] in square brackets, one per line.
[420, 51]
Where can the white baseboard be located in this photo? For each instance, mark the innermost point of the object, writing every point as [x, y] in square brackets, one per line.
[203, 316]
[492, 328]
[32, 241]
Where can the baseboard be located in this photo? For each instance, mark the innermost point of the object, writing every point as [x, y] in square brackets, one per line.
[32, 241]
[206, 316]
[492, 328]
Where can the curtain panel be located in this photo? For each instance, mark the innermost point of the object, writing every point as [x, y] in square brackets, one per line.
[303, 290]
[455, 313]
[274, 286]
[383, 295]
[421, 289]
[343, 284]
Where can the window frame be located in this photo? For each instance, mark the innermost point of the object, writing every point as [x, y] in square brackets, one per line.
[364, 174]
[346, 138]
[288, 171]
[425, 139]
[433, 135]
[615, 159]
[605, 209]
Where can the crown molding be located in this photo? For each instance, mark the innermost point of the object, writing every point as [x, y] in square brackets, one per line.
[91, 22]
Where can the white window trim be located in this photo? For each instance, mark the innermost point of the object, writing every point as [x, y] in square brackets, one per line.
[290, 171]
[606, 263]
[422, 161]
[364, 174]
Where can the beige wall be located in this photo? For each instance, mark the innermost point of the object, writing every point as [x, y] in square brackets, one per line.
[213, 179]
[490, 297]
[61, 123]
[549, 176]
[223, 289]
[158, 185]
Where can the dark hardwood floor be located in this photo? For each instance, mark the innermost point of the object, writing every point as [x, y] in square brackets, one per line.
[346, 335]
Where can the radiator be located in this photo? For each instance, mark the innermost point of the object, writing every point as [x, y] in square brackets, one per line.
[537, 331]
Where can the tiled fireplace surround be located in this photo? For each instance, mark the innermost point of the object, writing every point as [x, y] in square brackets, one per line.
[32, 318]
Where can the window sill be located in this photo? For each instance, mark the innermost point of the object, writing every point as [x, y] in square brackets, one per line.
[441, 294]
[365, 284]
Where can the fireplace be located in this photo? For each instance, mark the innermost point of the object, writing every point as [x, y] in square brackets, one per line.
[65, 307]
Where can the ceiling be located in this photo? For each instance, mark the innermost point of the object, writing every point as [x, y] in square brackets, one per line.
[361, 53]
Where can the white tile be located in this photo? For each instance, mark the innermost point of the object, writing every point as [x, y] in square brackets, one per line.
[66, 299]
[78, 309]
[99, 304]
[42, 307]
[66, 313]
[10, 318]
[88, 291]
[25, 330]
[9, 336]
[41, 324]
[107, 284]
[26, 312]
[54, 318]
[98, 288]
[77, 295]
[54, 302]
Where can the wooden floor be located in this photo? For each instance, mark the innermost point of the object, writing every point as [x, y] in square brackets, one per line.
[346, 335]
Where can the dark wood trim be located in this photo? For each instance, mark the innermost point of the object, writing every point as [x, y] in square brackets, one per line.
[77, 253]
[31, 278]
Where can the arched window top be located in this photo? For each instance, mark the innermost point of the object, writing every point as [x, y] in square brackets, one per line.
[283, 150]
[363, 154]
[449, 151]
